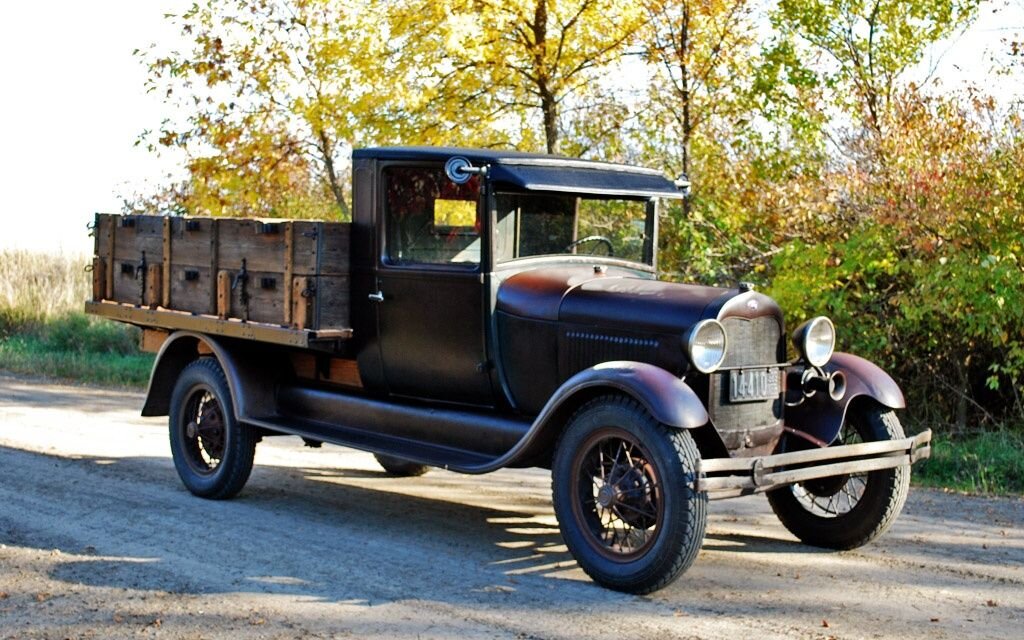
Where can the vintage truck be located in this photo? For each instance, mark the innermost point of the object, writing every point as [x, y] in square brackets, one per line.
[490, 309]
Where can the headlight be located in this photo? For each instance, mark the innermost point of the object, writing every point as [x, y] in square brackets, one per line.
[706, 345]
[816, 340]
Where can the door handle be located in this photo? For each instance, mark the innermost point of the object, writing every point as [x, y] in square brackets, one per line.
[376, 297]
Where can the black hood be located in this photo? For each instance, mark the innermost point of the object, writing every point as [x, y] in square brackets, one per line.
[617, 298]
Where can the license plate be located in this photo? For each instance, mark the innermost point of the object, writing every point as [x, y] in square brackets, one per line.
[746, 385]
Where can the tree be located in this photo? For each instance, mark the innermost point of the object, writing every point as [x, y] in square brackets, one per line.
[701, 53]
[271, 94]
[859, 49]
[498, 67]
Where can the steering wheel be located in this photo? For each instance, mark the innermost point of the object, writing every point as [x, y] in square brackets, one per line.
[599, 239]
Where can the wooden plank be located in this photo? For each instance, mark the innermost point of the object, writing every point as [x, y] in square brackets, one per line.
[179, 320]
[301, 304]
[109, 255]
[266, 302]
[190, 289]
[223, 294]
[241, 239]
[127, 282]
[345, 372]
[306, 239]
[137, 234]
[192, 241]
[154, 286]
[99, 278]
[289, 269]
[165, 300]
[332, 302]
[152, 339]
[214, 261]
[334, 252]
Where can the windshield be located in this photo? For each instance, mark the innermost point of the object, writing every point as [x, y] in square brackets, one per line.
[542, 224]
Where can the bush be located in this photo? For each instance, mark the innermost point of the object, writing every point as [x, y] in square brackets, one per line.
[920, 262]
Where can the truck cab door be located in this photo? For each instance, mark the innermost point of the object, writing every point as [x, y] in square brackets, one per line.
[430, 297]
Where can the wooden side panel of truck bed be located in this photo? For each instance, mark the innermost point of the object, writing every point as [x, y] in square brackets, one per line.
[291, 275]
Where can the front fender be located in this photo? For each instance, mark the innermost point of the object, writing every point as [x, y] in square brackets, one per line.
[251, 372]
[822, 417]
[667, 398]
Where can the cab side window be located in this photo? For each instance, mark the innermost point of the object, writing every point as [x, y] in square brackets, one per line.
[429, 219]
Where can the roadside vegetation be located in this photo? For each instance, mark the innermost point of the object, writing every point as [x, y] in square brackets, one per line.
[43, 331]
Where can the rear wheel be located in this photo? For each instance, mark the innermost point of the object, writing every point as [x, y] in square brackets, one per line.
[623, 494]
[213, 453]
[399, 467]
[851, 510]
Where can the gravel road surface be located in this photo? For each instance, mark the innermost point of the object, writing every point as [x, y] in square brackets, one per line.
[98, 539]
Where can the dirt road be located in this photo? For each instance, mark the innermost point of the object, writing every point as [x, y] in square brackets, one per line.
[99, 539]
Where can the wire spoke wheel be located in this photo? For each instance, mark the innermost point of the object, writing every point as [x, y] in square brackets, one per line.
[204, 435]
[837, 495]
[849, 510]
[623, 492]
[617, 494]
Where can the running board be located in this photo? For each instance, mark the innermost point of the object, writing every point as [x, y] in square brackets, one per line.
[463, 440]
[413, 450]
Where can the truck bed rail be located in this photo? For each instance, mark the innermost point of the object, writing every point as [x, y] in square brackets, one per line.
[171, 320]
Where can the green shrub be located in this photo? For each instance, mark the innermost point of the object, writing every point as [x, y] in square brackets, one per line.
[986, 463]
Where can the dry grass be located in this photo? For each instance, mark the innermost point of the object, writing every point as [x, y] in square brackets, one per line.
[38, 287]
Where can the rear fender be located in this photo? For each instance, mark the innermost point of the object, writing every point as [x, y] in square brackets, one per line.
[822, 417]
[251, 373]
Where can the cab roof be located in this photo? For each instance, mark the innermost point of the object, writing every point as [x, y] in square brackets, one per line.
[542, 172]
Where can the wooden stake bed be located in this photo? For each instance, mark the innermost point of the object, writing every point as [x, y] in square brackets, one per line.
[171, 320]
[278, 281]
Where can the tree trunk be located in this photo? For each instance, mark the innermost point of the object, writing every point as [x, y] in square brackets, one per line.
[548, 102]
[327, 149]
[684, 86]
[550, 109]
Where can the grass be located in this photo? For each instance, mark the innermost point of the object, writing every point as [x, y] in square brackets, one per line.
[44, 332]
[990, 463]
[35, 356]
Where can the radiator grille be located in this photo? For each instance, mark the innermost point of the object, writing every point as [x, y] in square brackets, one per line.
[751, 342]
[747, 428]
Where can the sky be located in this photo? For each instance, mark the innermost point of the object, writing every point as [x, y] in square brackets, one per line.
[72, 104]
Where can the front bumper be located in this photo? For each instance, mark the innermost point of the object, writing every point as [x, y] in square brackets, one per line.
[730, 477]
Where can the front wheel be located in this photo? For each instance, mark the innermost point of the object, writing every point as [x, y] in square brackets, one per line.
[213, 453]
[623, 494]
[851, 510]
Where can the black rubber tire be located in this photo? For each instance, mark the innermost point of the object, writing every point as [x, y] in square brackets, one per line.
[879, 505]
[399, 467]
[232, 472]
[674, 456]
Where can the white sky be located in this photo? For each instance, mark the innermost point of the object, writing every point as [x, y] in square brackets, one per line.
[73, 104]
